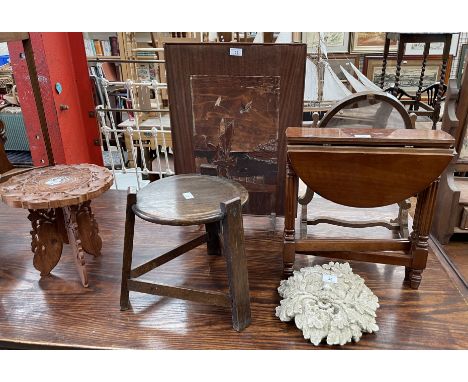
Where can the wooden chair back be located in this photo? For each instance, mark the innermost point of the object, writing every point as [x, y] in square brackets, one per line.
[368, 109]
[431, 93]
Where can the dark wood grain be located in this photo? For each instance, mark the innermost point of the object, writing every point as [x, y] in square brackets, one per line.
[167, 202]
[341, 181]
[189, 294]
[129, 234]
[164, 202]
[285, 61]
[168, 256]
[213, 242]
[233, 249]
[56, 311]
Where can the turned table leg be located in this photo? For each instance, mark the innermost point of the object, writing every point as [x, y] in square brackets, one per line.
[289, 251]
[420, 235]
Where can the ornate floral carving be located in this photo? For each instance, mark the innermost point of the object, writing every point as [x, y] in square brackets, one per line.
[47, 240]
[88, 229]
[338, 311]
[56, 186]
[69, 214]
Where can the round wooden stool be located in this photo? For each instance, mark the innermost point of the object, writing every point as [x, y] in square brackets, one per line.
[183, 200]
[59, 202]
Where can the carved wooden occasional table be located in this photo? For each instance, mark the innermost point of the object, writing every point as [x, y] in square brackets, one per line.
[366, 168]
[192, 199]
[59, 202]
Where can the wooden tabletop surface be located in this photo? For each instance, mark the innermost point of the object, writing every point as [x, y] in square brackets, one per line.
[187, 199]
[56, 186]
[364, 136]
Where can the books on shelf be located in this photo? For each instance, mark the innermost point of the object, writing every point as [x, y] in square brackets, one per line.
[101, 47]
[98, 48]
[114, 44]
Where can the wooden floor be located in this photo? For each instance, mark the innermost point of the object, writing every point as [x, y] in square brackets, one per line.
[56, 311]
[455, 254]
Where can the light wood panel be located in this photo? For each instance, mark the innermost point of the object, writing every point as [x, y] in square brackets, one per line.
[13, 36]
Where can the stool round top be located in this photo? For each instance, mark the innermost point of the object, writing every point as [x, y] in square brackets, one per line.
[187, 199]
[56, 186]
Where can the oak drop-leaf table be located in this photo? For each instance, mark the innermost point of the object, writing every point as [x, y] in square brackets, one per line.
[365, 168]
[59, 202]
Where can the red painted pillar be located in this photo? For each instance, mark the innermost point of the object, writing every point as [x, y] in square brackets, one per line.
[66, 93]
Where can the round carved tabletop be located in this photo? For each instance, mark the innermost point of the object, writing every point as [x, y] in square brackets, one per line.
[187, 199]
[56, 186]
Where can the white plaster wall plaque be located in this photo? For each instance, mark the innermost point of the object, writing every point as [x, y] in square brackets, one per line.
[328, 301]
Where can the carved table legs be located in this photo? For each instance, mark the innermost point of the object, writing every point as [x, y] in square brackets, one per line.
[420, 235]
[74, 225]
[47, 238]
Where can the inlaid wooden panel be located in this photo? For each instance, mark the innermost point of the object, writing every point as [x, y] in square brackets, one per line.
[236, 127]
[233, 110]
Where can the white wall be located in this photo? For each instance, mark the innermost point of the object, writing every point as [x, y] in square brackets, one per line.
[3, 48]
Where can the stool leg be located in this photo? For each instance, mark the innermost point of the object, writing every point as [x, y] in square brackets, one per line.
[234, 250]
[128, 249]
[213, 243]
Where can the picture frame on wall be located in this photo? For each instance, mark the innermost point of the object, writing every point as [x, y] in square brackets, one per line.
[410, 71]
[437, 48]
[462, 62]
[335, 42]
[370, 42]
